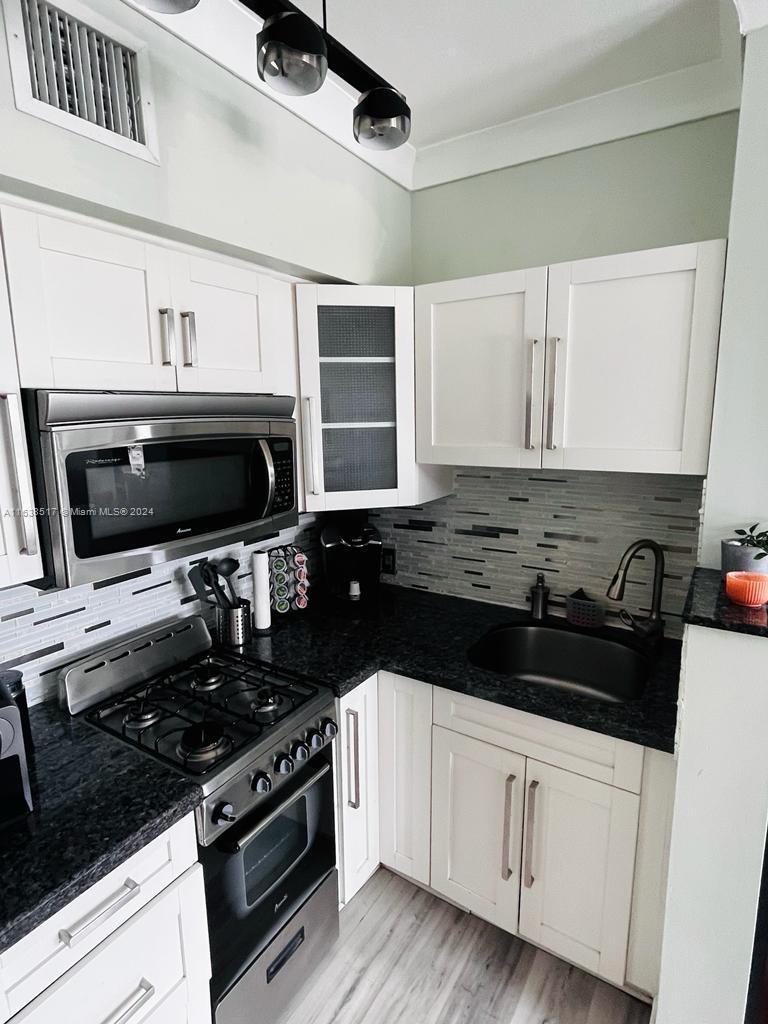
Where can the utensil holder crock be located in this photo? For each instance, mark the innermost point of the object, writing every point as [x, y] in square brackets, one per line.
[233, 625]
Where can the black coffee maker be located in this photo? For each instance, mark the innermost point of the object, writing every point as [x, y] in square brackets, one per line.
[351, 557]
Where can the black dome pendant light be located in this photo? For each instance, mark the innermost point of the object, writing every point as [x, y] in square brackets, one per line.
[382, 118]
[291, 54]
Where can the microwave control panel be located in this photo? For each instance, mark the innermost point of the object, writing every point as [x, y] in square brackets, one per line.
[282, 456]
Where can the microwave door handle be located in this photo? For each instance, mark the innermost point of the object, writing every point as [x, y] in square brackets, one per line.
[243, 841]
[270, 464]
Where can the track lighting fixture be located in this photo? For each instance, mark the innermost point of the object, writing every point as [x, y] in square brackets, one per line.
[291, 54]
[382, 119]
[169, 6]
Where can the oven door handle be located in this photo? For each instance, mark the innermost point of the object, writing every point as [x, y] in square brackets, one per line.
[243, 841]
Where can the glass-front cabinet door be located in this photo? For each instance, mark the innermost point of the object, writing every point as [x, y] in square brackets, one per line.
[356, 363]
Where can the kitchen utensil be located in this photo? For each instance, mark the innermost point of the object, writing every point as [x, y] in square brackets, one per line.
[227, 568]
[233, 625]
[211, 578]
[749, 589]
[195, 577]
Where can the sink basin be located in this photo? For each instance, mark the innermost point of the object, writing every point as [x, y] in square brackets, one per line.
[578, 662]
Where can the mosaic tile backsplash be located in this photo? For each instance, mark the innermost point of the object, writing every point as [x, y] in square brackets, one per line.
[41, 631]
[501, 527]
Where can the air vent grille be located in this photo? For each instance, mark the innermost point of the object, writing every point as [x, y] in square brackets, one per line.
[81, 71]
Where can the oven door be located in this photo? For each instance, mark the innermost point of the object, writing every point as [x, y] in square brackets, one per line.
[264, 869]
[132, 495]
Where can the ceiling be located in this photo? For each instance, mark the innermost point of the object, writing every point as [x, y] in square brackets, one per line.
[471, 66]
[496, 83]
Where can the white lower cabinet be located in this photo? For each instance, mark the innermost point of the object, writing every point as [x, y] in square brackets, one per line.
[549, 831]
[405, 770]
[358, 757]
[578, 866]
[477, 815]
[155, 967]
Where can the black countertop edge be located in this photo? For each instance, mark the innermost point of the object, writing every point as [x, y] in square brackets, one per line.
[97, 802]
[425, 636]
[707, 605]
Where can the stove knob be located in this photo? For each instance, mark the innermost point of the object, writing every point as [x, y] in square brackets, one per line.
[261, 783]
[315, 739]
[300, 751]
[224, 813]
[328, 728]
[284, 764]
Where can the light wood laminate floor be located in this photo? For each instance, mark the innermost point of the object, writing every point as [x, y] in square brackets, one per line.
[407, 957]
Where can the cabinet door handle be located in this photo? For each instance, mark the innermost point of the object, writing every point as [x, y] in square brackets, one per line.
[529, 828]
[353, 760]
[129, 890]
[506, 870]
[552, 395]
[21, 479]
[144, 993]
[310, 455]
[189, 329]
[168, 335]
[529, 398]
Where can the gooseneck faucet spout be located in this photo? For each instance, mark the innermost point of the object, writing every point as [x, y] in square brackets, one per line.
[653, 625]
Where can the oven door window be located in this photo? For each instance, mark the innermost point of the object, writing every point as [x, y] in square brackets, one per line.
[275, 851]
[138, 495]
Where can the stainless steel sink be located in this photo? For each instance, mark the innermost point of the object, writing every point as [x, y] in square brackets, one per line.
[572, 661]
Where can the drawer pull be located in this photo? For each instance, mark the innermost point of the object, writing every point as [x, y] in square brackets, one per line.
[122, 1015]
[506, 870]
[129, 890]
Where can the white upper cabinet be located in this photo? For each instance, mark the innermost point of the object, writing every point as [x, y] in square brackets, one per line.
[605, 364]
[20, 559]
[480, 369]
[86, 305]
[577, 868]
[97, 308]
[224, 315]
[356, 369]
[631, 357]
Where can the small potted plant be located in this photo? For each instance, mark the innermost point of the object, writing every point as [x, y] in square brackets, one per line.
[746, 552]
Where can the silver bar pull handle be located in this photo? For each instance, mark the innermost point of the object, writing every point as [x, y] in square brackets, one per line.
[506, 870]
[129, 890]
[529, 830]
[310, 453]
[529, 399]
[189, 328]
[21, 480]
[168, 335]
[551, 446]
[353, 760]
[131, 1007]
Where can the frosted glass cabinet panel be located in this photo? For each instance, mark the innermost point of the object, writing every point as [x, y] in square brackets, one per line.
[357, 403]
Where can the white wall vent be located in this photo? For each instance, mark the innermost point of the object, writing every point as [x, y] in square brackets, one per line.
[74, 69]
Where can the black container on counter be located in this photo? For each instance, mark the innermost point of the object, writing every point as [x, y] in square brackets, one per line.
[12, 679]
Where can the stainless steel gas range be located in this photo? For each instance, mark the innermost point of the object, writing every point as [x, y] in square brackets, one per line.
[258, 741]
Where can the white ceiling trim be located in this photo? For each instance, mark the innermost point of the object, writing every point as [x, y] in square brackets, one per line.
[226, 32]
[753, 14]
[685, 95]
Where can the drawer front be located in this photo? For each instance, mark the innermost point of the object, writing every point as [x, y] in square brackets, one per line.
[586, 753]
[134, 975]
[37, 960]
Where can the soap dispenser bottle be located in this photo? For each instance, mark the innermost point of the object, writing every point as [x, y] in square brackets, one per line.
[539, 598]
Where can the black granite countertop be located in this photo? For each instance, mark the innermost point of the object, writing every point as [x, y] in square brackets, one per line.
[96, 803]
[707, 605]
[426, 636]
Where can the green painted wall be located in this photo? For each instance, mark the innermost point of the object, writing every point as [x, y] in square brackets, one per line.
[661, 188]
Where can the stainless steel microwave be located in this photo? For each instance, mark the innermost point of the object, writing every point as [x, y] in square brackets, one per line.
[124, 480]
